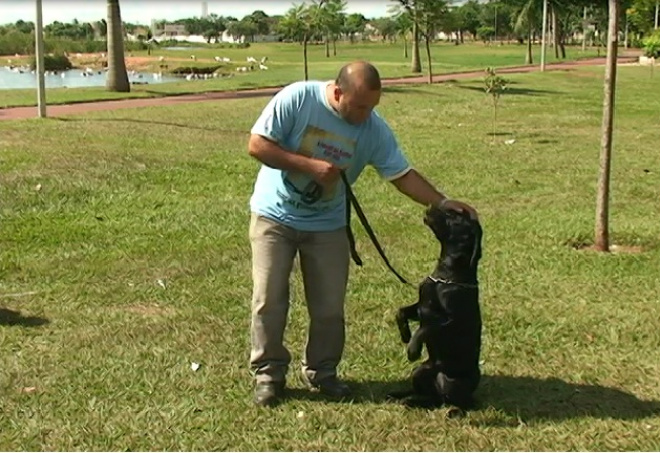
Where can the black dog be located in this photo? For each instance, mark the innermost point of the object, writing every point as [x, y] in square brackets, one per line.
[449, 317]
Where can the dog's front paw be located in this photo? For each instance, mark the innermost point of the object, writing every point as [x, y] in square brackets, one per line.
[404, 328]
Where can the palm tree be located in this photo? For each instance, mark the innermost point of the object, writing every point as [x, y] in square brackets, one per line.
[335, 10]
[117, 77]
[407, 8]
[326, 18]
[426, 16]
[602, 242]
[296, 25]
[404, 26]
[526, 16]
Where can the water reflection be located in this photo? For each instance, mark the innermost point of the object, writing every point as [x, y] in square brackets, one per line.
[18, 77]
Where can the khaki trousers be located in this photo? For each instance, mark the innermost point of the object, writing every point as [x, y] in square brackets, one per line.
[324, 262]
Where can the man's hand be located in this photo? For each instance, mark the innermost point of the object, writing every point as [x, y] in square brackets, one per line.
[459, 206]
[324, 173]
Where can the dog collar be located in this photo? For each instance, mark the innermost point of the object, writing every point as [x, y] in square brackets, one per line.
[449, 282]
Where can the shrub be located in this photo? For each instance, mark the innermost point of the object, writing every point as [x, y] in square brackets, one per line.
[486, 33]
[652, 45]
[52, 63]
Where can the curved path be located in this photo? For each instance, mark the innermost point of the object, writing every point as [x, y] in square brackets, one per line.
[77, 108]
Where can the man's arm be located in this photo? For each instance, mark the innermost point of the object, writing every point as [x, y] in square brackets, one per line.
[273, 155]
[270, 153]
[417, 188]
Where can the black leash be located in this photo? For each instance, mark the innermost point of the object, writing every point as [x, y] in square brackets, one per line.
[351, 200]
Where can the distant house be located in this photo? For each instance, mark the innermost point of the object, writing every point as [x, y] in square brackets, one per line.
[173, 30]
[165, 30]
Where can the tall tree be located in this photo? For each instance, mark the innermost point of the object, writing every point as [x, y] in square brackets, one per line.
[469, 13]
[407, 16]
[353, 25]
[404, 28]
[117, 76]
[336, 10]
[326, 18]
[427, 16]
[296, 25]
[602, 240]
[527, 16]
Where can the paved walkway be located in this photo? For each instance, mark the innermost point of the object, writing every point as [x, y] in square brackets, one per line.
[73, 109]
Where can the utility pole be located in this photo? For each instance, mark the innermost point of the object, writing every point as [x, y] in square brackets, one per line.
[39, 51]
[543, 33]
[657, 6]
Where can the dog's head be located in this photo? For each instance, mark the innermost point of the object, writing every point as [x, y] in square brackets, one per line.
[457, 232]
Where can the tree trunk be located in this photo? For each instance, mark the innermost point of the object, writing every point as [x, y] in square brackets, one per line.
[327, 47]
[117, 80]
[602, 242]
[416, 63]
[428, 57]
[405, 47]
[305, 56]
[334, 47]
[555, 32]
[529, 59]
[584, 29]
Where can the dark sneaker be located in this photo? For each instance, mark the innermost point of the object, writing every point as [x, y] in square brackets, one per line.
[331, 386]
[268, 394]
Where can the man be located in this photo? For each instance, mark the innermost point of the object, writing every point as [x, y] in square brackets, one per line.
[306, 135]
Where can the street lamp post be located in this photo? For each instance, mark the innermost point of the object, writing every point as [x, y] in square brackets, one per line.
[39, 51]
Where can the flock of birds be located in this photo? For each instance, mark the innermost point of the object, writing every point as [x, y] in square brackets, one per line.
[251, 60]
[252, 65]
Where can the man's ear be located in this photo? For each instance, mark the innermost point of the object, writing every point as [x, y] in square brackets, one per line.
[337, 93]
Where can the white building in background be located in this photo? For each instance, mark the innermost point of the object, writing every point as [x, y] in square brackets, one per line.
[205, 9]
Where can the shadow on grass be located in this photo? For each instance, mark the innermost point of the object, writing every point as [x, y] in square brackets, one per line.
[526, 398]
[510, 90]
[409, 90]
[499, 134]
[15, 318]
[534, 399]
[152, 122]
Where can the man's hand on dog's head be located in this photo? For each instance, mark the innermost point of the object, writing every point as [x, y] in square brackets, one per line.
[459, 206]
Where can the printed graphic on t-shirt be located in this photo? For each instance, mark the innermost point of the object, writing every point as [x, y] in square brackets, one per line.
[325, 145]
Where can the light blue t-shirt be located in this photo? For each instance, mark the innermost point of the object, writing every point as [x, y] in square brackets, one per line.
[301, 120]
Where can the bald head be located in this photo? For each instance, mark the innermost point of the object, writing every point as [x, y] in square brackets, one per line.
[358, 75]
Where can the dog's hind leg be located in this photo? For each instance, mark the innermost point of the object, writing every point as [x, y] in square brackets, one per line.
[422, 383]
[458, 391]
[400, 394]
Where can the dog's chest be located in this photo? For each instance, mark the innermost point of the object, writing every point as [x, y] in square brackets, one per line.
[431, 307]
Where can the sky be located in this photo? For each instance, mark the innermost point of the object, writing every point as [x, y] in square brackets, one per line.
[143, 11]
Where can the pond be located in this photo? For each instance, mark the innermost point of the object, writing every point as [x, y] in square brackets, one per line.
[20, 78]
[183, 48]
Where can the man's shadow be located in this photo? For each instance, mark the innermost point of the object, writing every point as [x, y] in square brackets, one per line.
[527, 398]
[15, 318]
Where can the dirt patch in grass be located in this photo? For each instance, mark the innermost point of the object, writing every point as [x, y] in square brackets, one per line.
[615, 248]
[581, 245]
[149, 310]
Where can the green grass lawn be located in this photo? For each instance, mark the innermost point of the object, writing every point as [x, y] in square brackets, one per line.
[95, 209]
[285, 65]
